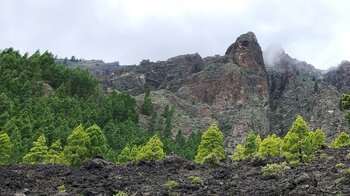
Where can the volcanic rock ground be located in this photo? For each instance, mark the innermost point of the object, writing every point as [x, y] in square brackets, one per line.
[97, 177]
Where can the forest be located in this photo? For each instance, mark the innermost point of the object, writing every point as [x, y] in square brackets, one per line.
[47, 106]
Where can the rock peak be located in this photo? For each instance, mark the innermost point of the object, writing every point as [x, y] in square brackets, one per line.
[246, 52]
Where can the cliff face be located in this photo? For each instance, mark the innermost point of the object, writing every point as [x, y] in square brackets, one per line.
[340, 77]
[299, 88]
[237, 90]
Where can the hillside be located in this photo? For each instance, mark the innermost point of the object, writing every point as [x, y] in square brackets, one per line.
[244, 89]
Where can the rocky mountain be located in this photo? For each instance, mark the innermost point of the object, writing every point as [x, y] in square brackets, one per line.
[340, 77]
[242, 90]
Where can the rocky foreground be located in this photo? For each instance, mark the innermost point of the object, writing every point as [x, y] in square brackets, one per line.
[325, 176]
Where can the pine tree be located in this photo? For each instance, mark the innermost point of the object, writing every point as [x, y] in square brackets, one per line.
[152, 151]
[318, 139]
[38, 152]
[6, 148]
[152, 125]
[343, 140]
[168, 115]
[270, 146]
[111, 155]
[211, 146]
[297, 144]
[134, 153]
[125, 155]
[238, 153]
[55, 155]
[251, 145]
[192, 144]
[98, 143]
[180, 144]
[147, 107]
[316, 87]
[77, 149]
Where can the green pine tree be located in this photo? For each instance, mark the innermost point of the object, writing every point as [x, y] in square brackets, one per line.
[152, 151]
[251, 145]
[238, 153]
[270, 146]
[147, 107]
[55, 155]
[297, 144]
[125, 155]
[318, 139]
[98, 143]
[38, 152]
[211, 148]
[77, 149]
[343, 140]
[6, 148]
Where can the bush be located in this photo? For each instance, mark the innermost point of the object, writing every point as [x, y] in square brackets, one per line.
[273, 170]
[196, 179]
[170, 184]
[341, 141]
[61, 189]
[340, 165]
[211, 146]
[121, 193]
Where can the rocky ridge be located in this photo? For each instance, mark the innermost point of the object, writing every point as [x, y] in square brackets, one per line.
[241, 90]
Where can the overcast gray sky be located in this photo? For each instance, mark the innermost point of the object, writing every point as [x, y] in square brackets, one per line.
[316, 31]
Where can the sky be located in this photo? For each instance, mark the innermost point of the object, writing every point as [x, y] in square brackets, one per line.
[128, 31]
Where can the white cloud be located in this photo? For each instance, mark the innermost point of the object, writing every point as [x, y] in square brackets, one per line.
[132, 30]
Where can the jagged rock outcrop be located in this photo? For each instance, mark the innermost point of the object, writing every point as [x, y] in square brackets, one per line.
[293, 92]
[340, 77]
[246, 52]
[168, 74]
[237, 90]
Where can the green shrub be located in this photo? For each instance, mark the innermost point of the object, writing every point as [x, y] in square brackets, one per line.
[196, 179]
[120, 193]
[340, 165]
[341, 141]
[348, 156]
[273, 170]
[61, 189]
[211, 146]
[170, 184]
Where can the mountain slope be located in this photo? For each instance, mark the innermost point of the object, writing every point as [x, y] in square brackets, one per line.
[242, 90]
